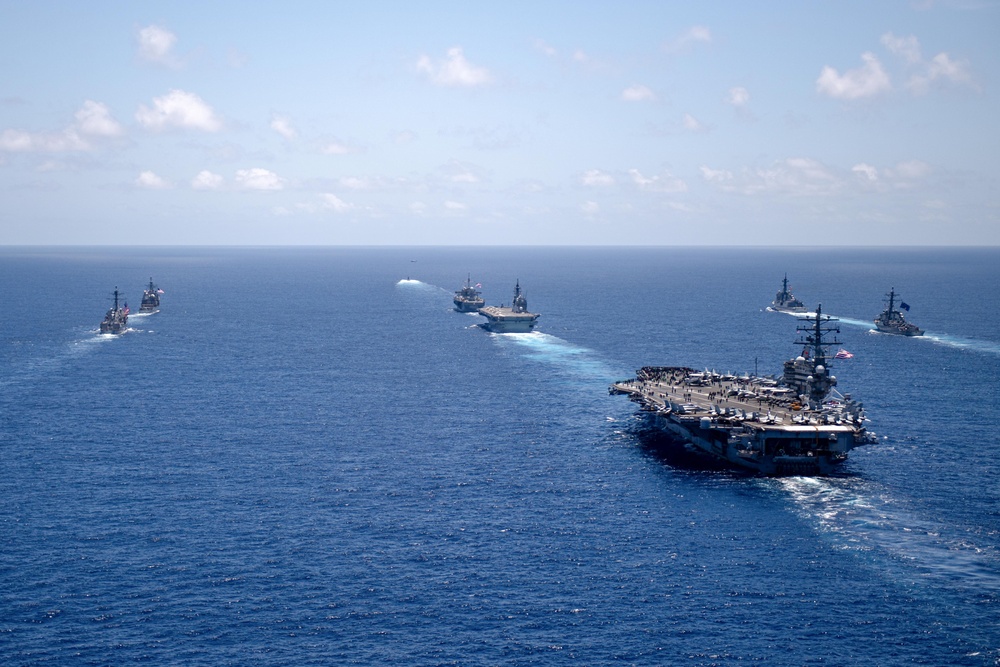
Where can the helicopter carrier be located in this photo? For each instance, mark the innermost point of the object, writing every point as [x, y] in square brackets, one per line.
[515, 319]
[796, 425]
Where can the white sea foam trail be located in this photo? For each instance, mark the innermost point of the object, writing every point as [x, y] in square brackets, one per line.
[864, 519]
[581, 362]
[957, 342]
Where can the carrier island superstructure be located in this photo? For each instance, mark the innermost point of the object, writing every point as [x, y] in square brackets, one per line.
[798, 425]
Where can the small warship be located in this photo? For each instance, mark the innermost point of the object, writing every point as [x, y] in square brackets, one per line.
[516, 319]
[116, 319]
[891, 321]
[798, 425]
[785, 301]
[468, 299]
[150, 298]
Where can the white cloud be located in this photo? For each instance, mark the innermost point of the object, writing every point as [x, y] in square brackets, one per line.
[906, 47]
[354, 183]
[455, 70]
[335, 203]
[911, 170]
[178, 109]
[866, 171]
[155, 44]
[638, 93]
[666, 183]
[590, 208]
[791, 176]
[545, 48]
[151, 181]
[866, 81]
[739, 97]
[940, 68]
[95, 119]
[694, 35]
[454, 206]
[692, 124]
[19, 141]
[283, 126]
[206, 180]
[580, 57]
[464, 177]
[596, 178]
[259, 179]
[418, 208]
[335, 148]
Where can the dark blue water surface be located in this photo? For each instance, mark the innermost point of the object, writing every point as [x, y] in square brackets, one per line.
[306, 459]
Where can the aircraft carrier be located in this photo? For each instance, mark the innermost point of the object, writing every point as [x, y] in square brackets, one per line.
[796, 425]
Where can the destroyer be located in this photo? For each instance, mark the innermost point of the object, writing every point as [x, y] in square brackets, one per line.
[516, 319]
[116, 319]
[891, 321]
[785, 301]
[468, 299]
[150, 298]
[799, 425]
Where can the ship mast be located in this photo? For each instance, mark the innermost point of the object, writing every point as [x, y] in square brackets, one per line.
[813, 330]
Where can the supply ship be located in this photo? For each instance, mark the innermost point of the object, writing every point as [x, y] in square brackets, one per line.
[150, 298]
[785, 301]
[798, 425]
[516, 319]
[891, 321]
[116, 319]
[468, 299]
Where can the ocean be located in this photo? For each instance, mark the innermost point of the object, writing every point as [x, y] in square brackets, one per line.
[306, 457]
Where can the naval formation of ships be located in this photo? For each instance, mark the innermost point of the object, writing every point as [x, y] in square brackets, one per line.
[796, 425]
[116, 319]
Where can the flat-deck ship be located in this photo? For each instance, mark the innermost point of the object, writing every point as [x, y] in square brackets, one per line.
[515, 319]
[798, 425]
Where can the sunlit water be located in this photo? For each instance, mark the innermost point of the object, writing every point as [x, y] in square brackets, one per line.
[306, 457]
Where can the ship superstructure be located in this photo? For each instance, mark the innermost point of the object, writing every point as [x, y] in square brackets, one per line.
[515, 319]
[150, 298]
[468, 299]
[785, 301]
[796, 425]
[116, 319]
[892, 321]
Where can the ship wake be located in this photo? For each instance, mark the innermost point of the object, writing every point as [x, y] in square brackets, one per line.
[864, 519]
[579, 362]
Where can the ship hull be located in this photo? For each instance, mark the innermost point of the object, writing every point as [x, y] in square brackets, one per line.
[717, 443]
[509, 326]
[897, 331]
[468, 306]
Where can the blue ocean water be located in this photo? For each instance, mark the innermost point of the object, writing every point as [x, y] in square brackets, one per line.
[307, 458]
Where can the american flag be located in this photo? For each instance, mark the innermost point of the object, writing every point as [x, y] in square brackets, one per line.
[843, 354]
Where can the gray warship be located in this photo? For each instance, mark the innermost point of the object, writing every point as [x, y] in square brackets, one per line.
[116, 319]
[468, 299]
[798, 425]
[516, 319]
[891, 321]
[785, 301]
[150, 298]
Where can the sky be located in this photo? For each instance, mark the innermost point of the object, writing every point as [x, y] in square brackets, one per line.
[500, 123]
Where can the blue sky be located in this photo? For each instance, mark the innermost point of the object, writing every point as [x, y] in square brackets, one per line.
[711, 123]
